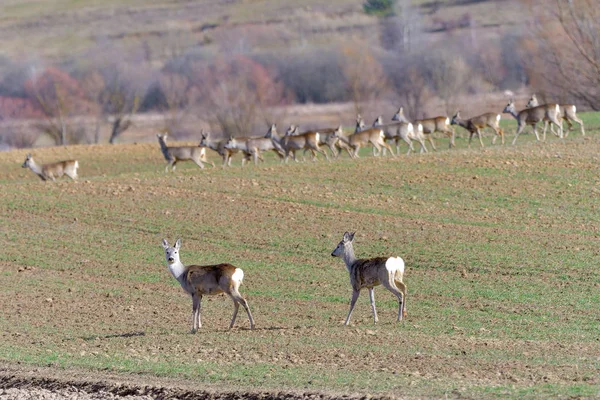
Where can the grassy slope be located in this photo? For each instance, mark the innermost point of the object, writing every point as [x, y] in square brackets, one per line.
[500, 246]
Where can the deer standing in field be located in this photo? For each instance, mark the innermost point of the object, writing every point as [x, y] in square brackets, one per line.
[569, 114]
[199, 280]
[174, 154]
[218, 146]
[431, 125]
[54, 170]
[531, 116]
[476, 124]
[371, 272]
[363, 136]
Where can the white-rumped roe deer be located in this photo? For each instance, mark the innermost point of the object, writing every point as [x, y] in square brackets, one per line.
[531, 116]
[199, 280]
[53, 170]
[172, 154]
[569, 113]
[371, 272]
[476, 124]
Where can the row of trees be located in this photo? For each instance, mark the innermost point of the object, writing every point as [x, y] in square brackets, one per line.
[558, 57]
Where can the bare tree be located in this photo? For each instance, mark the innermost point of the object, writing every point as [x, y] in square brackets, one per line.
[367, 82]
[235, 92]
[59, 97]
[564, 50]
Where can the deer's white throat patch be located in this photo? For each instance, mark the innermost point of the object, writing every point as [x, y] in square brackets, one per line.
[177, 269]
[394, 264]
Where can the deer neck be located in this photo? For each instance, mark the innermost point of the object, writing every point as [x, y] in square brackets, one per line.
[163, 147]
[177, 269]
[349, 257]
[513, 112]
[35, 167]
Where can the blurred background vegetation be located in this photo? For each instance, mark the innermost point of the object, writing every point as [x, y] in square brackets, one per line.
[88, 71]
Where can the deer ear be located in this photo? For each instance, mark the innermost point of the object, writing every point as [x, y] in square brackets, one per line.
[348, 236]
[165, 244]
[178, 244]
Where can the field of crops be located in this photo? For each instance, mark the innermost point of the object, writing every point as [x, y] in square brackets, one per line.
[500, 244]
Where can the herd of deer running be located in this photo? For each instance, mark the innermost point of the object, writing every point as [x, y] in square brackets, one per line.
[378, 136]
[199, 280]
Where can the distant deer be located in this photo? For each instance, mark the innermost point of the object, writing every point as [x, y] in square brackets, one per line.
[431, 125]
[54, 170]
[199, 280]
[531, 116]
[408, 132]
[172, 154]
[569, 114]
[218, 146]
[294, 141]
[476, 124]
[371, 272]
[363, 136]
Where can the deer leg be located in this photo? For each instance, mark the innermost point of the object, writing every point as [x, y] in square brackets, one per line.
[199, 163]
[479, 136]
[430, 138]
[237, 300]
[400, 285]
[517, 133]
[423, 148]
[580, 122]
[452, 135]
[470, 138]
[387, 146]
[390, 285]
[372, 298]
[355, 294]
[196, 313]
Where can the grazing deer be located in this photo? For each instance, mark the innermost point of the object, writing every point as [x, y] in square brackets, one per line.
[172, 154]
[371, 272]
[199, 280]
[476, 124]
[430, 125]
[569, 114]
[531, 116]
[406, 131]
[54, 170]
[218, 146]
[293, 141]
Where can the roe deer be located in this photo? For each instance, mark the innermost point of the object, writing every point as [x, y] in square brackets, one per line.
[218, 146]
[54, 170]
[531, 116]
[569, 114]
[172, 154]
[476, 124]
[371, 272]
[430, 125]
[408, 132]
[199, 280]
[362, 137]
[293, 141]
[254, 146]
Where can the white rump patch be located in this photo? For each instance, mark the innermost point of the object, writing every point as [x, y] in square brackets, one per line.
[420, 127]
[410, 128]
[447, 121]
[498, 118]
[381, 134]
[394, 264]
[238, 275]
[76, 164]
[318, 137]
[557, 108]
[574, 109]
